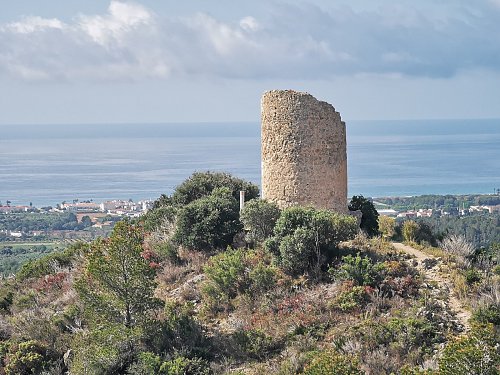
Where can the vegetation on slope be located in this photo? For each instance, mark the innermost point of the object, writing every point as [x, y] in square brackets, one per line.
[181, 291]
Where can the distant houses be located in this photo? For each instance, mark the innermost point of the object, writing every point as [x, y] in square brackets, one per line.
[453, 211]
[113, 207]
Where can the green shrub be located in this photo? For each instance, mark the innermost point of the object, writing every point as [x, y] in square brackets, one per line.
[6, 297]
[259, 218]
[262, 278]
[210, 222]
[351, 299]
[410, 229]
[167, 251]
[387, 226]
[359, 269]
[234, 272]
[148, 363]
[401, 335]
[254, 343]
[180, 331]
[296, 251]
[159, 217]
[28, 357]
[329, 362]
[472, 276]
[107, 349]
[489, 313]
[226, 274]
[305, 237]
[185, 366]
[474, 354]
[151, 364]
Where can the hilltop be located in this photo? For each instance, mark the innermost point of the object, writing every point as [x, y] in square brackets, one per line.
[196, 287]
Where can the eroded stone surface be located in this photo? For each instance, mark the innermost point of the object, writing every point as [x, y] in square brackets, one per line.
[304, 158]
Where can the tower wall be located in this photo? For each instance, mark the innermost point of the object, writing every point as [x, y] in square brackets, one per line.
[304, 158]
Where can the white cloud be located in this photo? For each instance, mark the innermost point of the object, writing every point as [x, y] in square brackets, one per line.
[123, 18]
[33, 24]
[249, 24]
[131, 42]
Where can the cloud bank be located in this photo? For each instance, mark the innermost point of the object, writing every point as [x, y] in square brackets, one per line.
[132, 42]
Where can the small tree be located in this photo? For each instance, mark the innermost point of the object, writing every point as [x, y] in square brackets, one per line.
[369, 219]
[410, 229]
[118, 282]
[209, 223]
[259, 218]
[386, 226]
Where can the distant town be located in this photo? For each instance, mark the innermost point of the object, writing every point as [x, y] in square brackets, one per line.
[87, 219]
[437, 212]
[83, 215]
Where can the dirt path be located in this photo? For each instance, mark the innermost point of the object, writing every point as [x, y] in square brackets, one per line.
[431, 272]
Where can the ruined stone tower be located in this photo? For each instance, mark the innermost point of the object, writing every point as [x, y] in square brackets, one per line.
[304, 158]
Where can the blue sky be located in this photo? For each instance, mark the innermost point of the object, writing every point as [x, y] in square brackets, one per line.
[75, 62]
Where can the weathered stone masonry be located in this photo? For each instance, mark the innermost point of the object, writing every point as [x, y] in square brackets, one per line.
[304, 158]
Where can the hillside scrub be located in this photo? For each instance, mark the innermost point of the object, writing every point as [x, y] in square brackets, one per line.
[311, 297]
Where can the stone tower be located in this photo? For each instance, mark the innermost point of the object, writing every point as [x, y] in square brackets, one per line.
[304, 158]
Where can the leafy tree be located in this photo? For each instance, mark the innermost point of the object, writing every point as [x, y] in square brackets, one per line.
[259, 218]
[387, 226]
[369, 219]
[410, 229]
[118, 282]
[209, 223]
[202, 184]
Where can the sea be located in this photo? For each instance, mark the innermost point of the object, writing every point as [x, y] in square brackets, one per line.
[48, 164]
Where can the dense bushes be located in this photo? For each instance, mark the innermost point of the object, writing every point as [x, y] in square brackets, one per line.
[259, 218]
[235, 272]
[474, 354]
[202, 184]
[209, 223]
[150, 363]
[359, 269]
[306, 237]
[28, 357]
